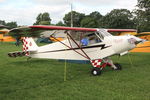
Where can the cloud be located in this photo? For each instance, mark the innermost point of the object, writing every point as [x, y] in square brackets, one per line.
[26, 11]
[51, 2]
[2, 0]
[27, 16]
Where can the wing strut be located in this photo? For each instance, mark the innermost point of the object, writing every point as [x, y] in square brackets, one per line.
[79, 46]
[71, 48]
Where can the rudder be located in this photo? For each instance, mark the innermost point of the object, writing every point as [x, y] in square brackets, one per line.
[29, 44]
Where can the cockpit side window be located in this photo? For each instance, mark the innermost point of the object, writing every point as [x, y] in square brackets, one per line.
[94, 38]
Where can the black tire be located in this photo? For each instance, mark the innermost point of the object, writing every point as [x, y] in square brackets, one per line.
[119, 67]
[96, 71]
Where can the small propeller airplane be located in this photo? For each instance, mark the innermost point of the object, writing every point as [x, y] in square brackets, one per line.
[100, 45]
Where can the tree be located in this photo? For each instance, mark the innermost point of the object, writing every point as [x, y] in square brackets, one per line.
[38, 19]
[2, 22]
[143, 15]
[97, 17]
[60, 23]
[11, 24]
[89, 22]
[77, 17]
[118, 18]
[43, 19]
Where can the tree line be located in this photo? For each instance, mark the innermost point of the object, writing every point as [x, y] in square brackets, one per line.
[9, 24]
[117, 18]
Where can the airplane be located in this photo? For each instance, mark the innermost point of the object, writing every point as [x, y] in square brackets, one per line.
[101, 45]
[4, 36]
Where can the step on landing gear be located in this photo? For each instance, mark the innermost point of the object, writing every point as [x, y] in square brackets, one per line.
[117, 66]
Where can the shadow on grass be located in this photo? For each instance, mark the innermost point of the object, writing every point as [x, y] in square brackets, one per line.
[32, 61]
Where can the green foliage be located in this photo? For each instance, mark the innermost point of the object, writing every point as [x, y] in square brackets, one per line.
[92, 20]
[144, 4]
[43, 19]
[143, 15]
[11, 24]
[118, 18]
[97, 17]
[2, 22]
[46, 17]
[60, 23]
[77, 17]
[89, 22]
[42, 79]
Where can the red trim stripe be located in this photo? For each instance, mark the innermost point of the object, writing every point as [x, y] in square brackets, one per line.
[79, 28]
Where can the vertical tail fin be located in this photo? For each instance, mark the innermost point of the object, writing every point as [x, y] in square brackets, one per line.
[29, 44]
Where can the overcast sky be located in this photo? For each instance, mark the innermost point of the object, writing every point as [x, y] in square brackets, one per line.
[24, 12]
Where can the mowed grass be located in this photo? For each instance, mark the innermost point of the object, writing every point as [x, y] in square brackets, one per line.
[43, 79]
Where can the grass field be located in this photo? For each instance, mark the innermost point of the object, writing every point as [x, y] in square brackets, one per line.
[42, 79]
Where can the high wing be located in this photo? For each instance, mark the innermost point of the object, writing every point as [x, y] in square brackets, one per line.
[78, 28]
[44, 27]
[38, 27]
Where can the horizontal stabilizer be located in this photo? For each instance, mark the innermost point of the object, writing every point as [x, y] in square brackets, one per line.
[18, 54]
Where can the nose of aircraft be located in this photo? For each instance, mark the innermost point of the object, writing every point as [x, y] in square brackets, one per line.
[135, 40]
[140, 41]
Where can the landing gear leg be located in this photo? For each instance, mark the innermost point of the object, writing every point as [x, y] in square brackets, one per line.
[115, 66]
[101, 63]
[97, 67]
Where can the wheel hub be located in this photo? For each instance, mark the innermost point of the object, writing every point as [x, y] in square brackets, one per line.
[95, 72]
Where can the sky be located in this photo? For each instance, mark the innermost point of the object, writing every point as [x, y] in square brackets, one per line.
[24, 12]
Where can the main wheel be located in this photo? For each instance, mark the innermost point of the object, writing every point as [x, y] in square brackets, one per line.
[119, 67]
[96, 71]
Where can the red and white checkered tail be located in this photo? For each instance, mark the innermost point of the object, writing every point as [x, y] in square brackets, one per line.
[29, 45]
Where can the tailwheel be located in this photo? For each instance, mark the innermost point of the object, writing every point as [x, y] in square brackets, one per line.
[96, 71]
[118, 66]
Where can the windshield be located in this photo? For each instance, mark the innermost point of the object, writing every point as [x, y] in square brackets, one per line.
[103, 33]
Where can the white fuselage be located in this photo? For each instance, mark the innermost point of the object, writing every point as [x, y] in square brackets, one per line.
[111, 45]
